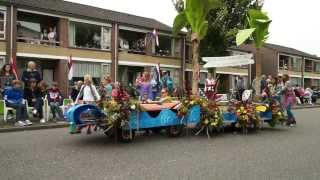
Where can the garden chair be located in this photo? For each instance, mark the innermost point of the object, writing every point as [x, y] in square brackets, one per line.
[4, 110]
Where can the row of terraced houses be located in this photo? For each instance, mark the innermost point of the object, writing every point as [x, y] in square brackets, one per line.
[105, 42]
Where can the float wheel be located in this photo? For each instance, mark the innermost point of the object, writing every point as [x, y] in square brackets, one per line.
[174, 131]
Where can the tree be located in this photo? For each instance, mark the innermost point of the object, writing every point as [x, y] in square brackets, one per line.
[258, 31]
[194, 18]
[224, 23]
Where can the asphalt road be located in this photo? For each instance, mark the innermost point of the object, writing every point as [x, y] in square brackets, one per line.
[280, 153]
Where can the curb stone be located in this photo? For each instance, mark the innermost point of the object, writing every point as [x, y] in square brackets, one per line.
[34, 127]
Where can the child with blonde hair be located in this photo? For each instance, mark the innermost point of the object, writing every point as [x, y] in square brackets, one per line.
[88, 91]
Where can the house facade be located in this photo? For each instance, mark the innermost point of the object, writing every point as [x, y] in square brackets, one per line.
[101, 42]
[303, 68]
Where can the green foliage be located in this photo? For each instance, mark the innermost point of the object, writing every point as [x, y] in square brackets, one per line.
[194, 16]
[224, 23]
[258, 23]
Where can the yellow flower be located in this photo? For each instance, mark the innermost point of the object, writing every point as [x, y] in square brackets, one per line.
[241, 108]
[206, 121]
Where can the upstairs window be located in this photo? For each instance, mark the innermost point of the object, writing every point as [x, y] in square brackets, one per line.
[84, 35]
[2, 24]
[164, 48]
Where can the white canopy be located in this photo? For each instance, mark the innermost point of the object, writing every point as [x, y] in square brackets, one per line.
[228, 61]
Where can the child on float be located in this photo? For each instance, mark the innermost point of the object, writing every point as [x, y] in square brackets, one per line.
[145, 89]
[88, 92]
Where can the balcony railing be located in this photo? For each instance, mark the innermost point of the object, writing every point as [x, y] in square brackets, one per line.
[308, 69]
[38, 41]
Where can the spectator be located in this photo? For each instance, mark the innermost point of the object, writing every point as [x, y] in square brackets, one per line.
[210, 87]
[33, 95]
[43, 87]
[55, 101]
[14, 99]
[108, 87]
[263, 83]
[6, 77]
[31, 73]
[44, 35]
[167, 82]
[240, 87]
[52, 36]
[308, 95]
[88, 92]
[102, 91]
[75, 90]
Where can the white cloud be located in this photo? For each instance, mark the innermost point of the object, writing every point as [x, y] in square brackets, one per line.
[294, 23]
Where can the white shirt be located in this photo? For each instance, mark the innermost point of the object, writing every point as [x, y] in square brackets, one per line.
[87, 94]
[209, 85]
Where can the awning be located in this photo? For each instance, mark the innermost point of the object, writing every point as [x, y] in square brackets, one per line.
[228, 61]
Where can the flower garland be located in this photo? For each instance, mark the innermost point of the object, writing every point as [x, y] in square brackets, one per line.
[211, 115]
[247, 116]
[118, 112]
[277, 114]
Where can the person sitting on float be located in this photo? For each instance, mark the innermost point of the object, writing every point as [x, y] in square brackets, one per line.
[165, 96]
[145, 89]
[119, 94]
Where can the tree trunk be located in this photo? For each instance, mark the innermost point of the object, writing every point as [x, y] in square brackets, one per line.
[258, 72]
[195, 66]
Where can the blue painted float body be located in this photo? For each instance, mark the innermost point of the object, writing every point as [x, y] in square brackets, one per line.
[142, 120]
[266, 116]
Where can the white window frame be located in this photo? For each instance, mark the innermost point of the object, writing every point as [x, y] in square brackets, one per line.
[3, 10]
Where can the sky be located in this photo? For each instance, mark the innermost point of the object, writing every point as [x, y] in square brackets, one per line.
[294, 22]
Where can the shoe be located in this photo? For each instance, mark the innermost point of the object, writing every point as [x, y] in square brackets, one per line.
[34, 112]
[20, 123]
[28, 122]
[42, 121]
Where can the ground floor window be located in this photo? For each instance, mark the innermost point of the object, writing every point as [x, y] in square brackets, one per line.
[296, 81]
[95, 69]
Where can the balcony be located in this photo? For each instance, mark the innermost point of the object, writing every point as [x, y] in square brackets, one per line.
[147, 44]
[37, 29]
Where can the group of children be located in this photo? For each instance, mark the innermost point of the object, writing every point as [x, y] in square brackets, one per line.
[30, 92]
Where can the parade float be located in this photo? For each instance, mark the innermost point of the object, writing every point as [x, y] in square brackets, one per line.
[123, 118]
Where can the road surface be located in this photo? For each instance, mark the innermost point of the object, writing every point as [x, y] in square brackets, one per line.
[280, 153]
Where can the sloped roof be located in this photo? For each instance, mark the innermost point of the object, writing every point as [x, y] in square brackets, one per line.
[289, 50]
[75, 9]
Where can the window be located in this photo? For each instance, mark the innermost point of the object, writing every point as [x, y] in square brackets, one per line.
[96, 70]
[37, 29]
[317, 67]
[283, 62]
[133, 42]
[2, 24]
[188, 53]
[84, 35]
[296, 63]
[164, 48]
[177, 48]
[296, 81]
[308, 66]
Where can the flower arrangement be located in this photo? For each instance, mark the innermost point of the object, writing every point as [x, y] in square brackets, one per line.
[278, 116]
[118, 112]
[247, 116]
[211, 115]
